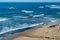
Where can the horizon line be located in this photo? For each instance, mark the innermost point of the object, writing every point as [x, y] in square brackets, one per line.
[41, 2]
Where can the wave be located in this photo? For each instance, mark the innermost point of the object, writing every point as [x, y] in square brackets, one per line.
[26, 11]
[38, 15]
[33, 25]
[53, 6]
[29, 15]
[25, 26]
[12, 8]
[55, 20]
[49, 5]
[51, 19]
[3, 19]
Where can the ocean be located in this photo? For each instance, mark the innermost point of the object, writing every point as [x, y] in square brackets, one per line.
[18, 16]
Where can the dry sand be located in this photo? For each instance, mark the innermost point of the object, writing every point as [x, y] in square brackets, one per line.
[43, 33]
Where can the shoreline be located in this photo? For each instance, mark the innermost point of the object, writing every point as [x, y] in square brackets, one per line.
[16, 35]
[19, 33]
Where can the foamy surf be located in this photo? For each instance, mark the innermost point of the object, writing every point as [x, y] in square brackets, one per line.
[51, 19]
[25, 26]
[24, 15]
[3, 19]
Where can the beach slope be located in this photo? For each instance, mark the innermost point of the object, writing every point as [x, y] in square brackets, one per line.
[43, 33]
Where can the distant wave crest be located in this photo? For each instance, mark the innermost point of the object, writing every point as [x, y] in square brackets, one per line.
[53, 6]
[38, 15]
[12, 8]
[27, 11]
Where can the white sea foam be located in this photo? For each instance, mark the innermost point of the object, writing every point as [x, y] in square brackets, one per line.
[3, 19]
[51, 19]
[36, 24]
[26, 11]
[38, 15]
[53, 6]
[12, 8]
[55, 20]
[24, 26]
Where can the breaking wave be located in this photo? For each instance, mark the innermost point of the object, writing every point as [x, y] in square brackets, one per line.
[38, 15]
[30, 15]
[6, 29]
[25, 25]
[53, 6]
[3, 19]
[12, 8]
[27, 11]
[51, 19]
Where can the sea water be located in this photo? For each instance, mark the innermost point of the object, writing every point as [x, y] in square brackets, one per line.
[15, 16]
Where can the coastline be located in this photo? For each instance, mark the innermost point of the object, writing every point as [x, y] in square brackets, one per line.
[21, 21]
[43, 33]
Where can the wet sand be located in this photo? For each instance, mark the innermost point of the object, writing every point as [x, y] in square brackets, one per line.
[43, 33]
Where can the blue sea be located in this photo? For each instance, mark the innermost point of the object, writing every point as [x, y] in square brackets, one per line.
[17, 17]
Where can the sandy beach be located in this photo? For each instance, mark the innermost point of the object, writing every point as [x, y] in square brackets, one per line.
[43, 33]
[29, 19]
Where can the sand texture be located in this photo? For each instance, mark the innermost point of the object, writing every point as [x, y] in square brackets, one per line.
[43, 33]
